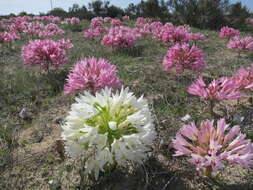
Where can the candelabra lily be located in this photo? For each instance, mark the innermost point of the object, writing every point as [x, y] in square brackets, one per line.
[92, 74]
[184, 57]
[210, 146]
[45, 53]
[217, 90]
[117, 127]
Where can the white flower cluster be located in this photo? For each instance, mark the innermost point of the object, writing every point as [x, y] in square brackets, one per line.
[119, 127]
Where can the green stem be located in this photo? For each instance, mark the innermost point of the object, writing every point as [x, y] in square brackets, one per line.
[212, 104]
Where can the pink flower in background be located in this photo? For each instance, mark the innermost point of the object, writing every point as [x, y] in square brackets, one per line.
[211, 146]
[107, 19]
[184, 57]
[92, 74]
[33, 28]
[196, 36]
[120, 37]
[241, 44]
[95, 32]
[54, 19]
[126, 18]
[73, 20]
[45, 53]
[50, 30]
[7, 37]
[243, 79]
[249, 21]
[97, 21]
[228, 32]
[175, 35]
[158, 32]
[140, 21]
[220, 89]
[116, 22]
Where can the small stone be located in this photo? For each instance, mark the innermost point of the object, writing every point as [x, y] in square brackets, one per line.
[60, 148]
[59, 120]
[187, 117]
[24, 114]
[238, 118]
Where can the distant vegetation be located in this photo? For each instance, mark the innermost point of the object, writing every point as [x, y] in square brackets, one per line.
[206, 14]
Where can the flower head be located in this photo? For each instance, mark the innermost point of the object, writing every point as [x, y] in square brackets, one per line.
[116, 127]
[241, 44]
[45, 53]
[210, 146]
[92, 74]
[220, 89]
[243, 79]
[228, 32]
[184, 57]
[120, 37]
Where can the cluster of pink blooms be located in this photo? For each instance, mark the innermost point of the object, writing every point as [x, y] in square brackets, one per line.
[210, 146]
[241, 44]
[175, 35]
[140, 21]
[243, 79]
[172, 34]
[116, 22]
[220, 89]
[196, 36]
[7, 37]
[184, 56]
[48, 18]
[45, 53]
[33, 28]
[50, 30]
[36, 29]
[97, 21]
[94, 32]
[120, 37]
[150, 28]
[17, 27]
[126, 18]
[107, 19]
[96, 28]
[92, 74]
[72, 20]
[228, 32]
[249, 20]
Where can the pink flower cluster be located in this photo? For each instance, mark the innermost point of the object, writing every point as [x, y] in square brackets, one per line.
[48, 18]
[97, 21]
[140, 21]
[150, 28]
[17, 27]
[175, 35]
[96, 28]
[241, 44]
[243, 79]
[7, 37]
[36, 29]
[50, 30]
[72, 20]
[116, 22]
[184, 56]
[92, 74]
[220, 89]
[211, 146]
[249, 20]
[120, 37]
[45, 53]
[196, 36]
[228, 32]
[126, 18]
